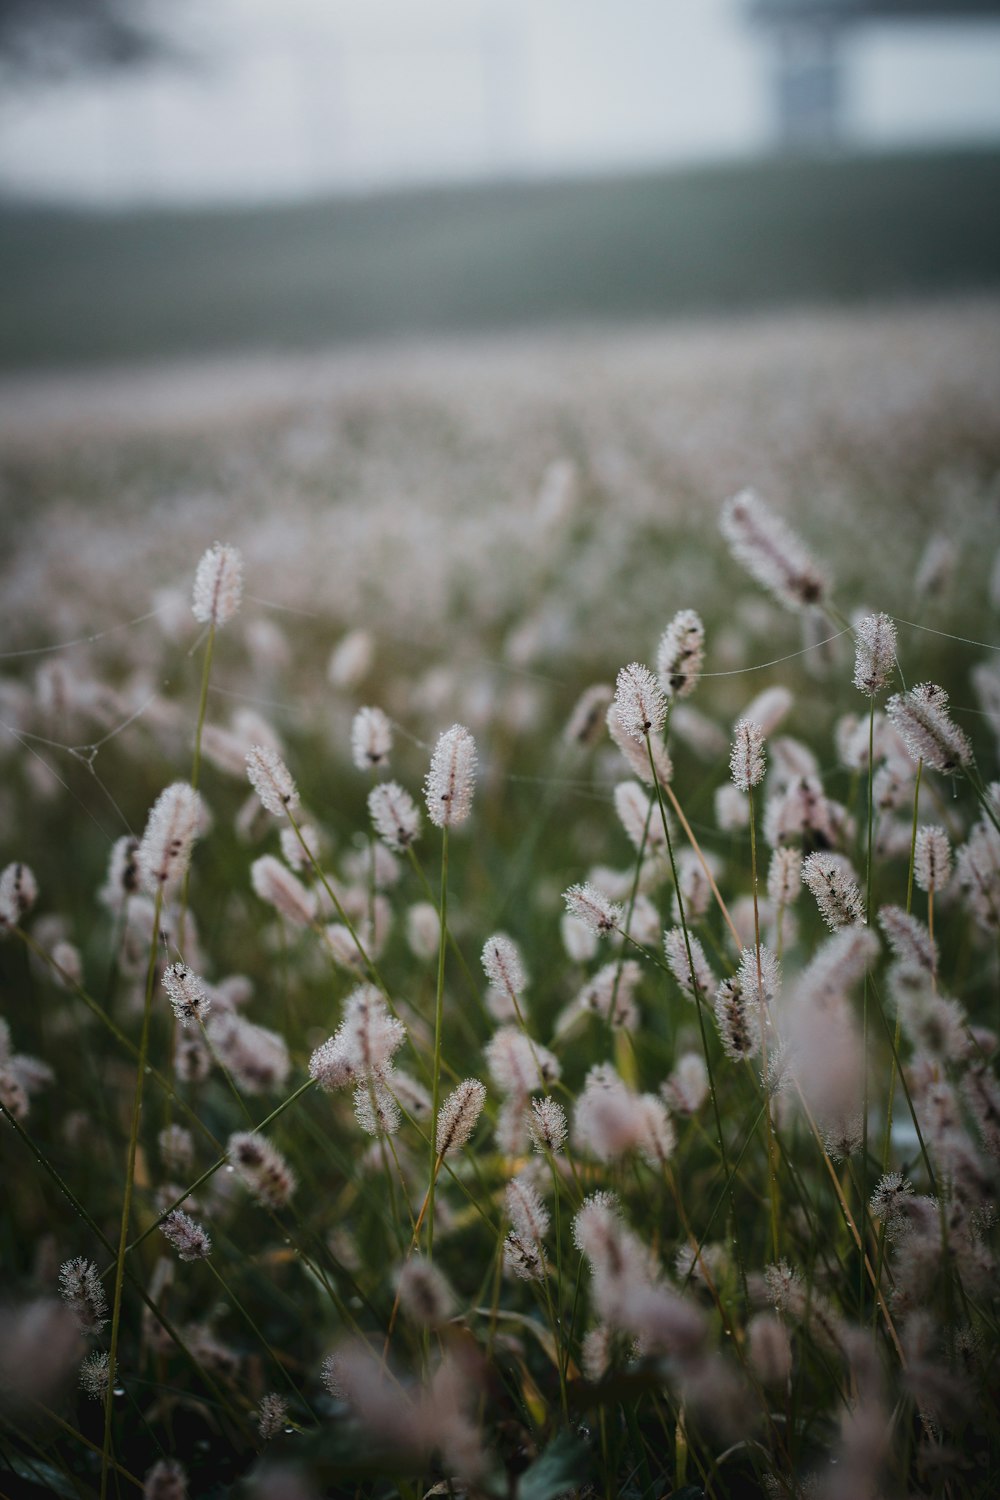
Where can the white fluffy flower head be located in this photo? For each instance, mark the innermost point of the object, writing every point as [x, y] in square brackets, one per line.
[450, 782]
[681, 654]
[746, 759]
[875, 654]
[639, 701]
[271, 780]
[218, 585]
[174, 822]
[371, 739]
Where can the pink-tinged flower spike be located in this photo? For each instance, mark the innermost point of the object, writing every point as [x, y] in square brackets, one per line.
[607, 1120]
[636, 754]
[593, 908]
[364, 1045]
[187, 994]
[375, 1109]
[176, 1148]
[680, 655]
[547, 1125]
[921, 719]
[522, 1258]
[503, 965]
[274, 883]
[909, 939]
[977, 865]
[875, 654]
[732, 810]
[425, 1295]
[18, 894]
[395, 816]
[459, 1115]
[165, 849]
[371, 739]
[351, 659]
[772, 553]
[587, 719]
[94, 1375]
[271, 780]
[838, 896]
[738, 1021]
[255, 1056]
[657, 1137]
[450, 782]
[770, 1349]
[888, 1202]
[676, 952]
[123, 873]
[524, 1255]
[936, 566]
[746, 758]
[639, 701]
[166, 1480]
[687, 1087]
[186, 1235]
[610, 994]
[635, 813]
[272, 1418]
[526, 1210]
[932, 859]
[769, 708]
[83, 1294]
[517, 1065]
[262, 1168]
[218, 585]
[784, 876]
[760, 976]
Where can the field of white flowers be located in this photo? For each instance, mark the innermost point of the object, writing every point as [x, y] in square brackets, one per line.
[500, 919]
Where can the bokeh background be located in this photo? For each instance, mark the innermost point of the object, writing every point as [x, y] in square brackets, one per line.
[186, 177]
[372, 288]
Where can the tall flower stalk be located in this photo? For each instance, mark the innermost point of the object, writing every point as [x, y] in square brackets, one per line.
[133, 1139]
[448, 790]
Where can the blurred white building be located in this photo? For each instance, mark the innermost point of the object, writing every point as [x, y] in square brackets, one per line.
[292, 97]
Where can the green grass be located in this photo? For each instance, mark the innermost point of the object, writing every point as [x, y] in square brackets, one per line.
[100, 286]
[399, 493]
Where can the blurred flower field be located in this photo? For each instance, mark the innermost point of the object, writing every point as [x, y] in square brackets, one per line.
[666, 1163]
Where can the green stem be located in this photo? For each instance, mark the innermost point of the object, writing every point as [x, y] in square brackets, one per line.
[438, 1011]
[341, 913]
[556, 1342]
[256, 1331]
[210, 1171]
[202, 705]
[99, 1234]
[772, 1171]
[698, 1008]
[475, 988]
[913, 838]
[159, 1078]
[628, 914]
[78, 1437]
[887, 1141]
[195, 772]
[863, 1204]
[127, 1203]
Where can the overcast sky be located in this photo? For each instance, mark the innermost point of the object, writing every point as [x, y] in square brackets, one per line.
[287, 97]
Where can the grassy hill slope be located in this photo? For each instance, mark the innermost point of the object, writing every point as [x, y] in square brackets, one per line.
[83, 286]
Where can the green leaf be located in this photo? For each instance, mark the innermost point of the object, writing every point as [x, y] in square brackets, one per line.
[35, 1471]
[561, 1467]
